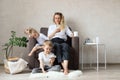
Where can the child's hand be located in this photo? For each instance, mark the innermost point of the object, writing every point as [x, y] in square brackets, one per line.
[29, 54]
[52, 59]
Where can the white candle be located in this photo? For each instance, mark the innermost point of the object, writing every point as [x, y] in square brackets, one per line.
[97, 39]
[75, 33]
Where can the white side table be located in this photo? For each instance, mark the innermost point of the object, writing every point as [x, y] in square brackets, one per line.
[97, 52]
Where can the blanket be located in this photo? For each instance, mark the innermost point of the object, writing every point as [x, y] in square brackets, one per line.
[56, 75]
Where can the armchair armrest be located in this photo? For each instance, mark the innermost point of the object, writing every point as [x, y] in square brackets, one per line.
[75, 46]
[31, 43]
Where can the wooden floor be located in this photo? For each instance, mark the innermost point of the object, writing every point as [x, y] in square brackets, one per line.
[111, 73]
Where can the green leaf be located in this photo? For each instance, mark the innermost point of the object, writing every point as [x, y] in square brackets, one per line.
[14, 41]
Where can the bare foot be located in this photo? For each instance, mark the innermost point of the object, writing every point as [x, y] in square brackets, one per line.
[66, 72]
[44, 71]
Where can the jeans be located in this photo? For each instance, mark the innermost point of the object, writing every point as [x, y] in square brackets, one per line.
[61, 50]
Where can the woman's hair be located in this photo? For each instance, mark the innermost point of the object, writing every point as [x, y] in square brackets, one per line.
[62, 22]
[48, 42]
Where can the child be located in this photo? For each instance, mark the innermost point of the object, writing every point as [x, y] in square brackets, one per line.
[46, 57]
[38, 36]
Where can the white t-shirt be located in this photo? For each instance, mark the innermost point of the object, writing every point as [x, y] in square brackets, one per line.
[41, 39]
[46, 58]
[62, 34]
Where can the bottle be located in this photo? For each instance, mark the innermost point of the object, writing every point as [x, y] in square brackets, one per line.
[97, 39]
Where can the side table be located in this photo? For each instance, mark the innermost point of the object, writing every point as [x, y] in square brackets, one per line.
[97, 52]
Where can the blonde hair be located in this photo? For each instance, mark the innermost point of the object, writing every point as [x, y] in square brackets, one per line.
[48, 42]
[62, 22]
[30, 31]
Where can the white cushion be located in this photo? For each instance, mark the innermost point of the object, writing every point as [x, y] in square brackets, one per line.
[18, 66]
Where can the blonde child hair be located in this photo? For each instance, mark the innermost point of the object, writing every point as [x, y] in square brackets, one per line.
[48, 42]
[30, 31]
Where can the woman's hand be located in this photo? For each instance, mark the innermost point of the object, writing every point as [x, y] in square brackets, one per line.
[72, 35]
[57, 30]
[54, 32]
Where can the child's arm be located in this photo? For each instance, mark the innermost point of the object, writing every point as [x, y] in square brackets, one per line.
[31, 52]
[34, 49]
[39, 47]
[42, 66]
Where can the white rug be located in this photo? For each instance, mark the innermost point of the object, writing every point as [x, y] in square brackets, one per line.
[56, 75]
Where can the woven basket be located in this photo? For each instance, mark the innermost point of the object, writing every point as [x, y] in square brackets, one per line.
[13, 59]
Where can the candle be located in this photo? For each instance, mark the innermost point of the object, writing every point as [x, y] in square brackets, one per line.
[97, 39]
[75, 33]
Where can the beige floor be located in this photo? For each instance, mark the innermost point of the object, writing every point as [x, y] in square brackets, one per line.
[112, 73]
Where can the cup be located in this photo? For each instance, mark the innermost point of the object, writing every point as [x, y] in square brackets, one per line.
[97, 40]
[75, 33]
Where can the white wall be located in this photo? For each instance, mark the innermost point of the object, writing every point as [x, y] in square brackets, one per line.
[90, 17]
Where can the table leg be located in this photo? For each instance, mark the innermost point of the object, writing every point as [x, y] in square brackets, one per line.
[105, 56]
[97, 58]
[82, 57]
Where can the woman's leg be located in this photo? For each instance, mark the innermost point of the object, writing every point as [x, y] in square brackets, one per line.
[65, 51]
[65, 66]
[57, 52]
[65, 57]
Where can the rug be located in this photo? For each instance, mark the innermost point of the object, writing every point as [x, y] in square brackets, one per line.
[56, 75]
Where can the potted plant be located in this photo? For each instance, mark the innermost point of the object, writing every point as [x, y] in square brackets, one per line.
[14, 41]
[8, 47]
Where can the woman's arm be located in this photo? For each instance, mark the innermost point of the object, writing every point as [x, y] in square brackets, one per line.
[52, 30]
[53, 33]
[69, 32]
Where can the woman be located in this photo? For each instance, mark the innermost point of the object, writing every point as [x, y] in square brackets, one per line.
[57, 33]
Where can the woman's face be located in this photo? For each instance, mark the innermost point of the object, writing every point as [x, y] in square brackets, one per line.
[57, 19]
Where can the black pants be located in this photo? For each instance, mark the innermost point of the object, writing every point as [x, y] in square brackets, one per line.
[61, 49]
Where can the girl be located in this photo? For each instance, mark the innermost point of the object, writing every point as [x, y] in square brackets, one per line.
[38, 36]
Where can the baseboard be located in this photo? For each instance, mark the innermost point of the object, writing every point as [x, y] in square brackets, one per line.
[1, 64]
[100, 64]
[113, 63]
